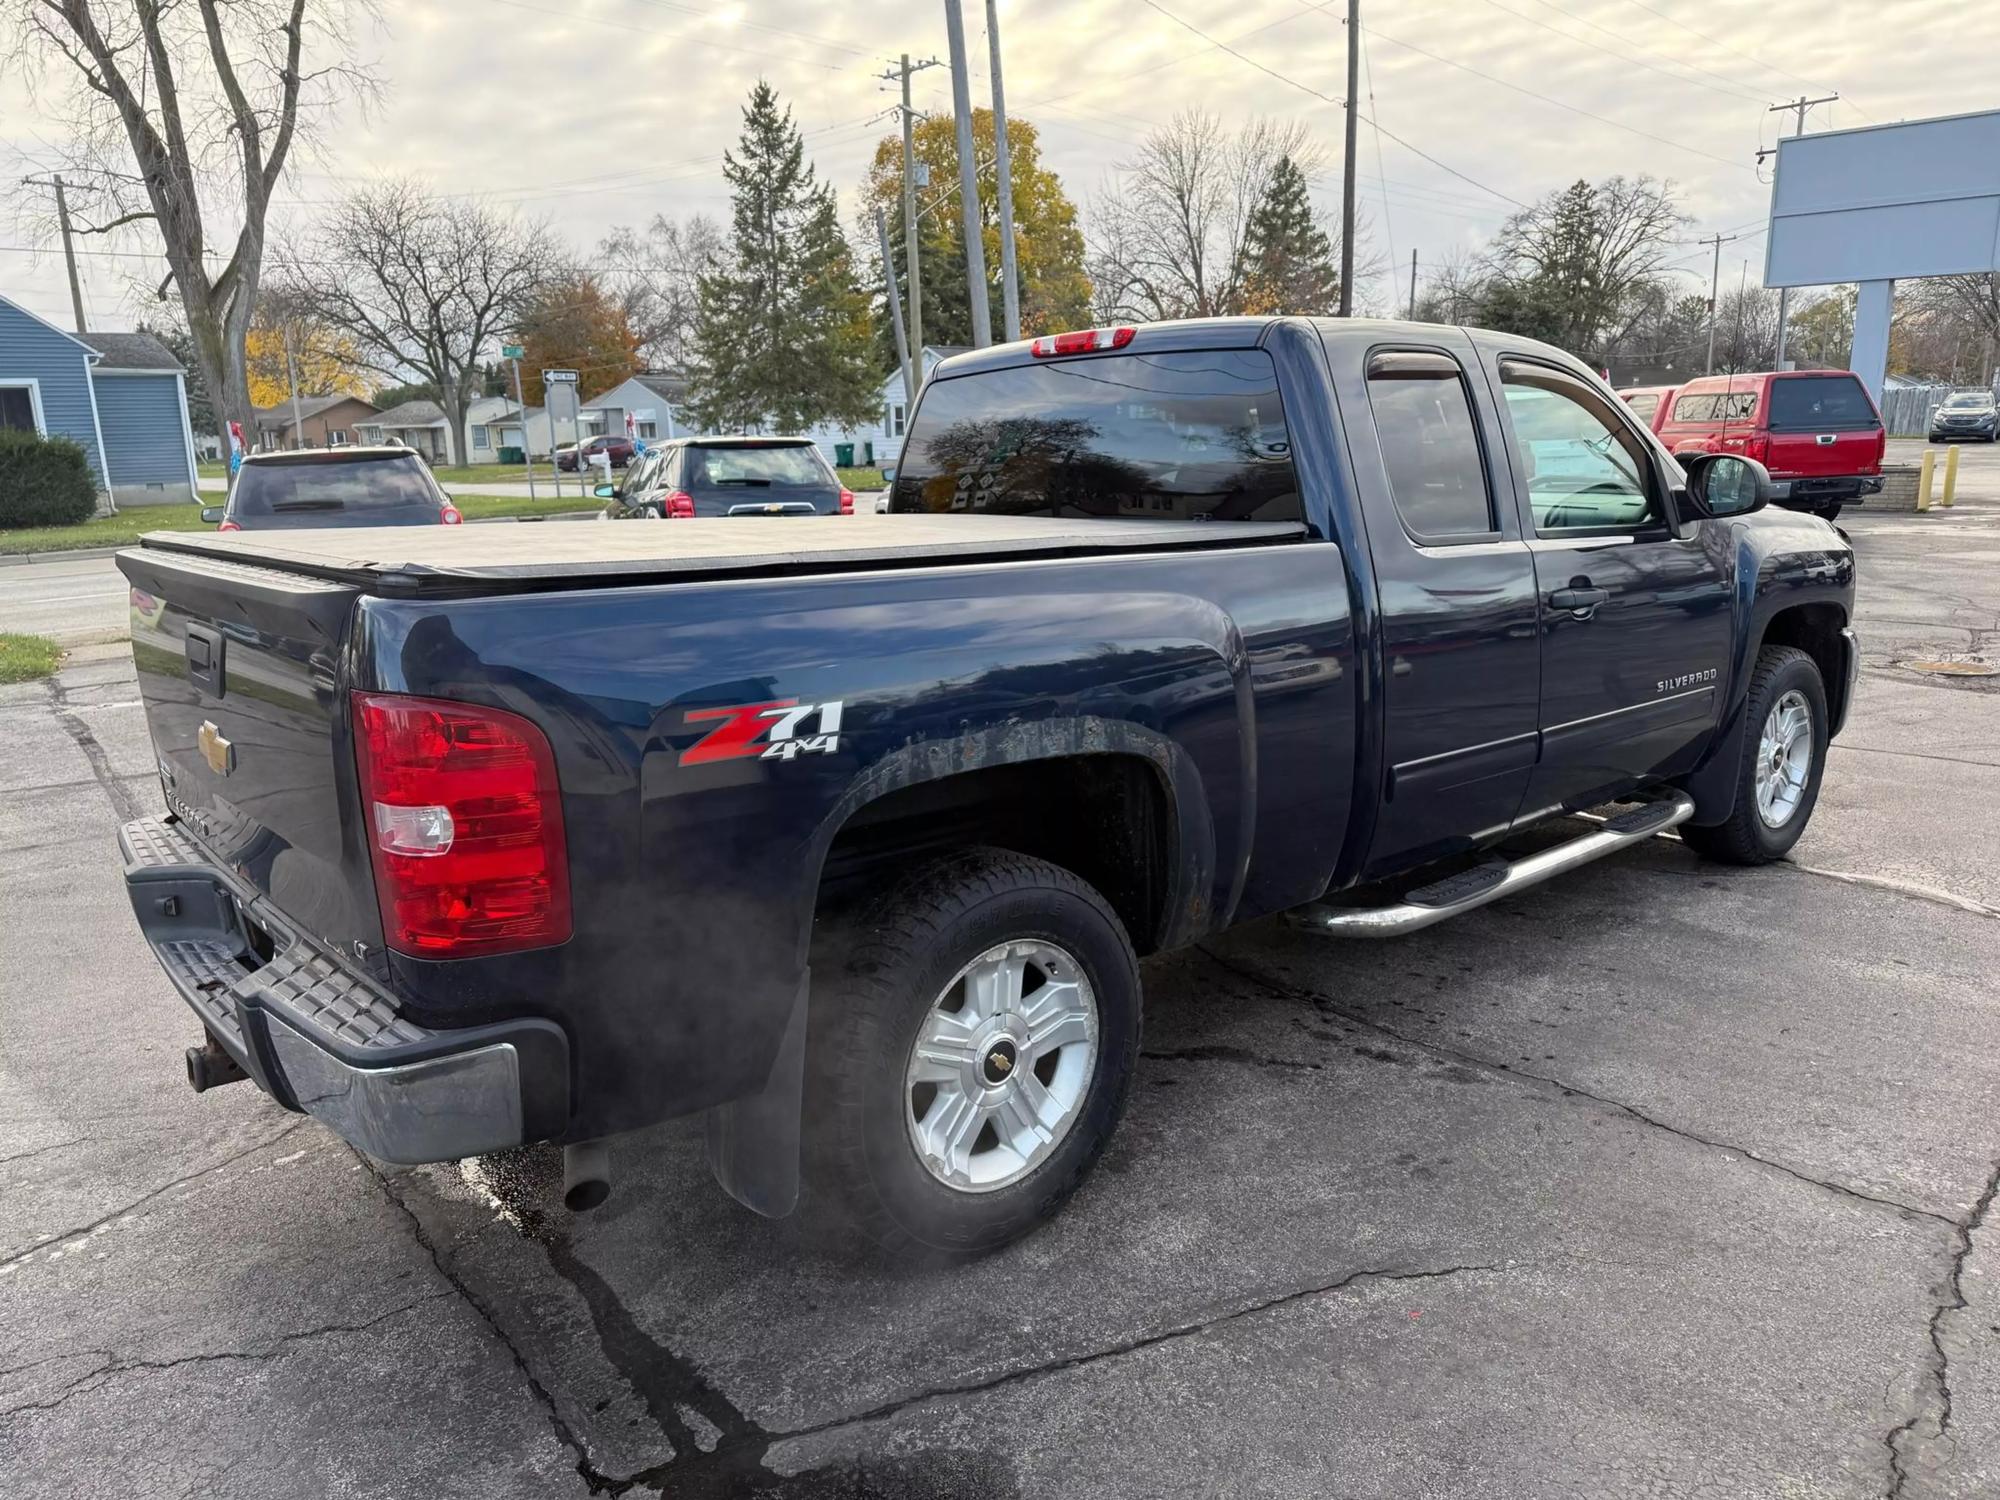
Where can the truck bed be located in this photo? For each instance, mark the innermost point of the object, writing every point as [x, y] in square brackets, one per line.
[408, 561]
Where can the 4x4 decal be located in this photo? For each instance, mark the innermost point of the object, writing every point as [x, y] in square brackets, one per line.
[768, 731]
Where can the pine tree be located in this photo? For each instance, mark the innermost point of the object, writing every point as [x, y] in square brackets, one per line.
[782, 335]
[1288, 261]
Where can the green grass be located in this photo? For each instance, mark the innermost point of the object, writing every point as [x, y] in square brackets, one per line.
[490, 473]
[212, 469]
[128, 526]
[23, 658]
[862, 479]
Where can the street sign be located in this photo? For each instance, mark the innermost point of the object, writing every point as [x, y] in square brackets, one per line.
[558, 377]
[512, 351]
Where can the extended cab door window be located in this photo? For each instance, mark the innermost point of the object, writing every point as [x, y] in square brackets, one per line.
[1430, 445]
[1584, 469]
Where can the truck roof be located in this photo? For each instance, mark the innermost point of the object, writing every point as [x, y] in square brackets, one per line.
[501, 558]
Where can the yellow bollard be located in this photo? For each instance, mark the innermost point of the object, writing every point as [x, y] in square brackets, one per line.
[1950, 475]
[1924, 480]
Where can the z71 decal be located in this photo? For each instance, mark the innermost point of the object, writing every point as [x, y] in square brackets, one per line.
[767, 731]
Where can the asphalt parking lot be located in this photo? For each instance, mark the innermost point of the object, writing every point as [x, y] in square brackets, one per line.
[1660, 1180]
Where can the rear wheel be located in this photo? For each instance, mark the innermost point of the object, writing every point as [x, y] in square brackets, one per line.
[1784, 753]
[1829, 511]
[973, 1041]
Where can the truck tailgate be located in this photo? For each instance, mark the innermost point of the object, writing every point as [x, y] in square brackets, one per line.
[238, 669]
[1822, 426]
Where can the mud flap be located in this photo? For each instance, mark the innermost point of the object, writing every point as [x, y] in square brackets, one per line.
[753, 1143]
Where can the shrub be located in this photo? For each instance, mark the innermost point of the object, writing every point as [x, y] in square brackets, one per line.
[43, 481]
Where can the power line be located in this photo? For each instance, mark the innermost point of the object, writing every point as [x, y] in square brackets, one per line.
[672, 36]
[1732, 89]
[1388, 226]
[1726, 47]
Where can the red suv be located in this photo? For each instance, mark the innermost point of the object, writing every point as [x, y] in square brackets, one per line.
[1651, 404]
[1817, 431]
[618, 448]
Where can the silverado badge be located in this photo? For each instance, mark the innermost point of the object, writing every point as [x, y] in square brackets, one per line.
[218, 752]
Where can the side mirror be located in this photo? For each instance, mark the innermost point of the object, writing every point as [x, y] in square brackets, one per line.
[888, 473]
[605, 492]
[1726, 484]
[211, 515]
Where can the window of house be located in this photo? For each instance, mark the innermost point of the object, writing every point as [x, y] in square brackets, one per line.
[17, 408]
[649, 430]
[1430, 447]
[1585, 469]
[896, 419]
[337, 438]
[482, 439]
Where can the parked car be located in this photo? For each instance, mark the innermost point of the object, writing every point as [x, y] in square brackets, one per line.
[385, 486]
[1965, 414]
[1817, 431]
[618, 449]
[729, 476]
[1651, 404]
[1169, 628]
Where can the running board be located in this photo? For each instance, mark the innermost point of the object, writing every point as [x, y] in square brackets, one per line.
[1474, 888]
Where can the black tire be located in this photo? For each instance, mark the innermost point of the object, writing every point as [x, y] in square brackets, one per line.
[1829, 512]
[1745, 838]
[883, 972]
[651, 512]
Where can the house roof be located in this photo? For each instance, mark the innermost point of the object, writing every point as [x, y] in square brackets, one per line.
[131, 351]
[37, 317]
[946, 351]
[409, 414]
[666, 387]
[274, 418]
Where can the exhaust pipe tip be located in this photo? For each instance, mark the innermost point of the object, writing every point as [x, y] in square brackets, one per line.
[586, 1176]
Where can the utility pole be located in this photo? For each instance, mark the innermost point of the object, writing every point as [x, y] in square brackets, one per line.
[1413, 286]
[69, 248]
[896, 317]
[1800, 105]
[1010, 284]
[292, 379]
[1714, 285]
[1347, 161]
[913, 262]
[968, 177]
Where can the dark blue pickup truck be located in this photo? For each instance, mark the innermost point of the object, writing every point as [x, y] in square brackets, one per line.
[850, 832]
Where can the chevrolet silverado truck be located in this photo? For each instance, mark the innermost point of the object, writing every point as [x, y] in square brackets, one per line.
[850, 834]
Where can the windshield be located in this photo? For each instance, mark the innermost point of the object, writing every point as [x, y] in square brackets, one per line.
[315, 485]
[757, 468]
[1975, 399]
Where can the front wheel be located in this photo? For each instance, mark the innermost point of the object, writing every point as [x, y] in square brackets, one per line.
[972, 1047]
[1784, 753]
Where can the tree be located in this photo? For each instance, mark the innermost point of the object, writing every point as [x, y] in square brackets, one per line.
[781, 331]
[324, 359]
[1578, 268]
[1048, 244]
[387, 396]
[572, 325]
[184, 116]
[422, 285]
[1822, 331]
[1289, 264]
[655, 275]
[1952, 327]
[1170, 231]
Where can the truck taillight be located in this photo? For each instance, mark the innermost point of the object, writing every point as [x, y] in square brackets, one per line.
[679, 504]
[450, 516]
[1083, 341]
[1759, 448]
[464, 824]
[847, 502]
[229, 526]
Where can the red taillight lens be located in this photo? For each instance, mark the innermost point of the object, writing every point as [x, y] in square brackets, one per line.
[1759, 449]
[450, 516]
[464, 823]
[229, 526]
[679, 503]
[847, 502]
[1083, 341]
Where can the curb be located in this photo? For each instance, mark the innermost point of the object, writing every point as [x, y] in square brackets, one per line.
[20, 559]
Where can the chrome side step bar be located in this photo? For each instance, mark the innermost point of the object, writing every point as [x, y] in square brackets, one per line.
[1470, 889]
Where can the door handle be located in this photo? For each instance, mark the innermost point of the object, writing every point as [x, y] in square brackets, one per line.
[1579, 599]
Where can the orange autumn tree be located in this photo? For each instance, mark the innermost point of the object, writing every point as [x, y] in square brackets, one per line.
[574, 325]
[326, 361]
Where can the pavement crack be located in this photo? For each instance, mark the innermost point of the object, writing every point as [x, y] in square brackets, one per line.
[1939, 1407]
[1178, 1331]
[276, 1348]
[115, 791]
[1906, 888]
[1216, 1052]
[1329, 1006]
[41, 1150]
[15, 1257]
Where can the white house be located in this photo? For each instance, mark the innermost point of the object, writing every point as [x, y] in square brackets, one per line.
[652, 403]
[880, 441]
[496, 422]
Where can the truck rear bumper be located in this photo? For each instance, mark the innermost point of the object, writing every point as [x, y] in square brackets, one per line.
[320, 1037]
[1806, 493]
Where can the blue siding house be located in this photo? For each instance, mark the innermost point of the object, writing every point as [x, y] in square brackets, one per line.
[122, 397]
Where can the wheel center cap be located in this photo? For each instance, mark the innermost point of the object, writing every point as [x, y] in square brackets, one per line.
[997, 1063]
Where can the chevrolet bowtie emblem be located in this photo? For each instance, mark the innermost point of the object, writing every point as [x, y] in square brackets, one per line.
[1000, 1063]
[217, 751]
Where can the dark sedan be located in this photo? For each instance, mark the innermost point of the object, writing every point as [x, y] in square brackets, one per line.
[1966, 414]
[729, 476]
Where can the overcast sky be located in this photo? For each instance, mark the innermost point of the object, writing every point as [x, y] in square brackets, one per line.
[606, 112]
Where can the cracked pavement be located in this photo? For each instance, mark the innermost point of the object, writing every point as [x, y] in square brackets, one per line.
[1661, 1180]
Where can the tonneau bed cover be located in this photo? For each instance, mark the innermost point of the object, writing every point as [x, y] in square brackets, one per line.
[483, 558]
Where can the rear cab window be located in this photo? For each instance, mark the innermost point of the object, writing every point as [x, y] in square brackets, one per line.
[1643, 407]
[1183, 435]
[1820, 403]
[304, 486]
[751, 467]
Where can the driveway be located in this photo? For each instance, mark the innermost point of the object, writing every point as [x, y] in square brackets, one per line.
[1663, 1179]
